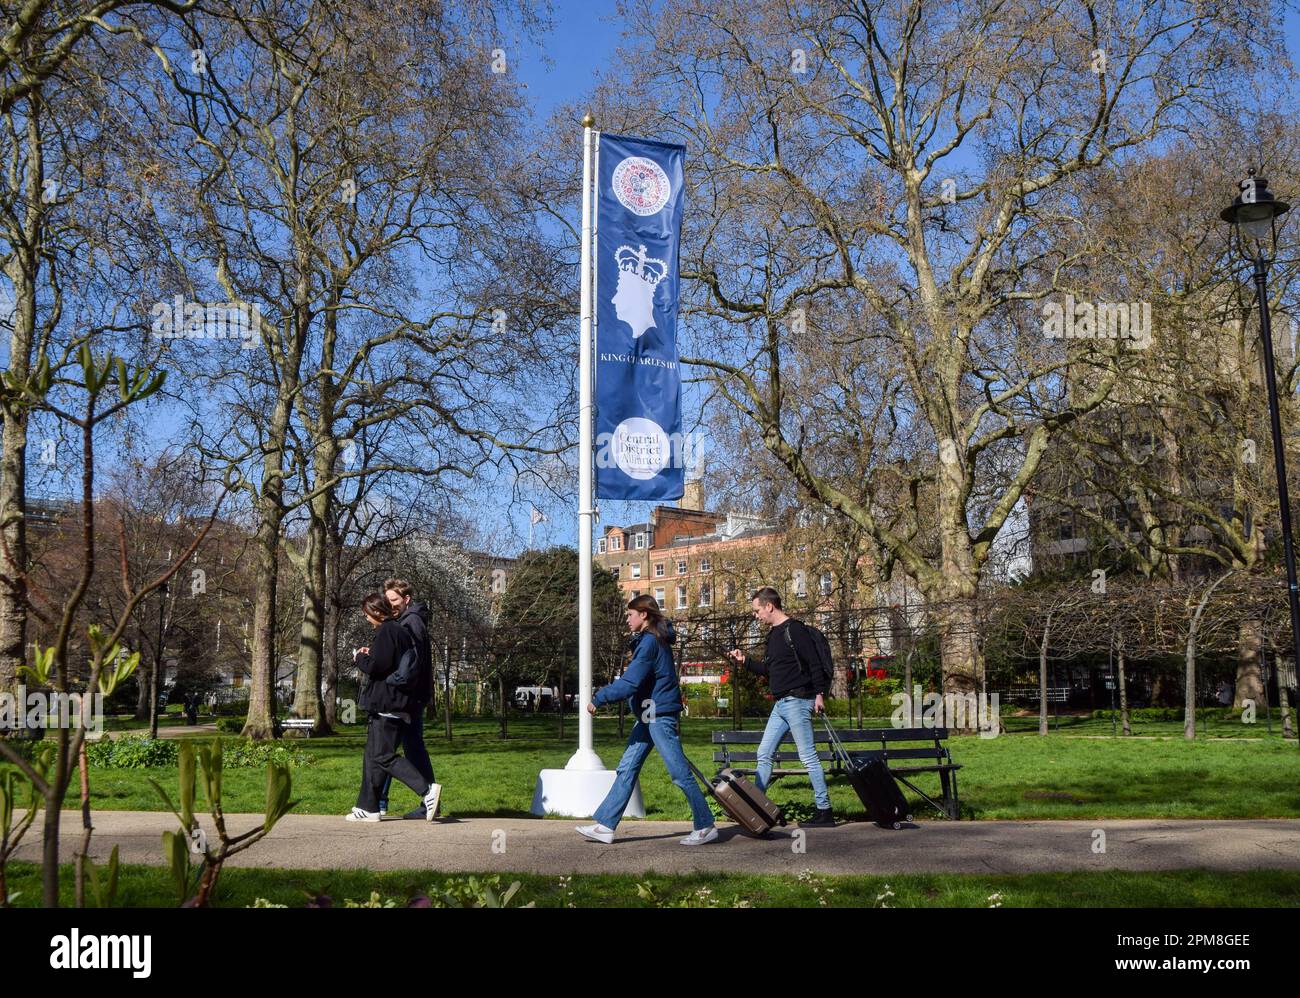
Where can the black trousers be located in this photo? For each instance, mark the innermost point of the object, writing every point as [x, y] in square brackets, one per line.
[383, 734]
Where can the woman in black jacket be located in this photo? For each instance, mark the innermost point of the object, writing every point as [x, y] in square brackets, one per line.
[389, 707]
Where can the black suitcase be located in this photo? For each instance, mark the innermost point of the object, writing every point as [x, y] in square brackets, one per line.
[874, 783]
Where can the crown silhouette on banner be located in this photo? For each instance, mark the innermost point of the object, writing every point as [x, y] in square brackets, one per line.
[635, 261]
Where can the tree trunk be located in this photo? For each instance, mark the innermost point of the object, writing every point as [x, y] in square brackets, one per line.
[1250, 677]
[501, 702]
[1123, 694]
[1282, 697]
[446, 661]
[307, 699]
[1189, 692]
[1042, 677]
[261, 697]
[155, 667]
[26, 246]
[143, 690]
[961, 658]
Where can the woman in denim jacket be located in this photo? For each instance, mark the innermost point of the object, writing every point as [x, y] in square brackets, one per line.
[650, 685]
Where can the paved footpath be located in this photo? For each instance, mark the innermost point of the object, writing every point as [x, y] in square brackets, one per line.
[551, 846]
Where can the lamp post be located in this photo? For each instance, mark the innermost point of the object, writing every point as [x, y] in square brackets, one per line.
[1253, 216]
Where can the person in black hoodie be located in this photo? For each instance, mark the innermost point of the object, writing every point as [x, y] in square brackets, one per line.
[389, 708]
[414, 616]
[799, 690]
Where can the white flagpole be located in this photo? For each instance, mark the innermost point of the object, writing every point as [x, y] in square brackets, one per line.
[579, 787]
[585, 757]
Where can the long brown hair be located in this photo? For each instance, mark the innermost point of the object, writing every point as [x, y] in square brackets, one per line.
[656, 623]
[377, 606]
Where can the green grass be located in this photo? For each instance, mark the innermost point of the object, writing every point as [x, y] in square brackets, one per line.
[1016, 776]
[1207, 727]
[143, 886]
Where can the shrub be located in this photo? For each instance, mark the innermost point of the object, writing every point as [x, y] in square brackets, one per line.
[1176, 713]
[231, 725]
[702, 706]
[142, 752]
[131, 752]
[240, 753]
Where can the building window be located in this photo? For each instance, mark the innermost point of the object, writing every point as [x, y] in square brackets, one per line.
[659, 597]
[659, 569]
[729, 592]
[616, 543]
[636, 570]
[826, 583]
[706, 595]
[681, 598]
[706, 565]
[614, 572]
[681, 566]
[636, 593]
[640, 541]
[600, 546]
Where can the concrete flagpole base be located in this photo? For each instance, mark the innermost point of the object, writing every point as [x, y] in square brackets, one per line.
[578, 789]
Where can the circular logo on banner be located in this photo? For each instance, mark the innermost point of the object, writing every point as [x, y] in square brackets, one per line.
[641, 185]
[640, 448]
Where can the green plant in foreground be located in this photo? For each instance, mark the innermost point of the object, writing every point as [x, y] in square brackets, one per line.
[701, 897]
[457, 892]
[192, 839]
[16, 788]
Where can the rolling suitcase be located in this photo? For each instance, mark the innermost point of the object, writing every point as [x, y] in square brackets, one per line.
[745, 803]
[874, 783]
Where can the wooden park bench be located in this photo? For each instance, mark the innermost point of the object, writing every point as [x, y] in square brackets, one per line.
[907, 752]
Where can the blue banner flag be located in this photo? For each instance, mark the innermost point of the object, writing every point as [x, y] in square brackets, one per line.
[639, 445]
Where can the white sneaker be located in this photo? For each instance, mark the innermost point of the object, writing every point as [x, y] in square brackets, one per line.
[431, 801]
[597, 833]
[383, 811]
[360, 815]
[700, 836]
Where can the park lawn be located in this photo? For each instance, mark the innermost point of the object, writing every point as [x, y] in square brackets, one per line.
[149, 886]
[1015, 776]
[1207, 727]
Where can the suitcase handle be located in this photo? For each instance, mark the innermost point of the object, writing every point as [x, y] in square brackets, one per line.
[837, 746]
[708, 784]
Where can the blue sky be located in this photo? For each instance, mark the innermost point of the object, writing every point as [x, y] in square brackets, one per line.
[563, 69]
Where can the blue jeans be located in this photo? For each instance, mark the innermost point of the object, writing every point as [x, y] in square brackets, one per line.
[662, 734]
[413, 748]
[795, 715]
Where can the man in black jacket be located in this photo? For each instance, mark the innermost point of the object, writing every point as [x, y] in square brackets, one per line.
[796, 681]
[389, 708]
[414, 617]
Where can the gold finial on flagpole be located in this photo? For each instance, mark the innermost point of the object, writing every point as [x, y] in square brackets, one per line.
[588, 120]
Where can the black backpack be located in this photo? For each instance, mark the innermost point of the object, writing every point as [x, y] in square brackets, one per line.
[826, 662]
[406, 677]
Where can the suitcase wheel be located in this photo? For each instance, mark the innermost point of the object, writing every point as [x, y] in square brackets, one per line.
[897, 825]
[908, 819]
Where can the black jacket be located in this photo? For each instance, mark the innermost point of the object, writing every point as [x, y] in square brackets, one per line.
[390, 641]
[415, 618]
[785, 677]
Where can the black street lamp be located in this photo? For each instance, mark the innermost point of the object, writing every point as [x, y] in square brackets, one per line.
[1253, 215]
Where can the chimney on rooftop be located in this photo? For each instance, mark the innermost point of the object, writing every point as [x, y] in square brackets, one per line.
[693, 497]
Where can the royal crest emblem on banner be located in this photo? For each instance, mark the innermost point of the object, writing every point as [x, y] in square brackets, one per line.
[641, 185]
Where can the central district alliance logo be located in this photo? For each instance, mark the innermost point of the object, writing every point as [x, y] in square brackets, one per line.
[641, 185]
